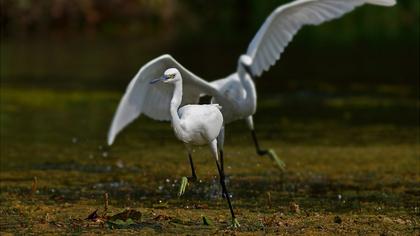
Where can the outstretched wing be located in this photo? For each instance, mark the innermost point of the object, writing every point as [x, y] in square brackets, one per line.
[280, 27]
[154, 100]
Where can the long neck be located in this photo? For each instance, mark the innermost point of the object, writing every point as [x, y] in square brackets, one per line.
[175, 103]
[249, 86]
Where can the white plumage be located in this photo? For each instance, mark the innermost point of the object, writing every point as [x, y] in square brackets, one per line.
[236, 93]
[154, 101]
[280, 27]
[194, 125]
[202, 123]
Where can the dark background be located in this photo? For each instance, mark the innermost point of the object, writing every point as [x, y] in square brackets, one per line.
[88, 44]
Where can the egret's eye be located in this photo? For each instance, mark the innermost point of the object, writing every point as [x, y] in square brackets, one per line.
[171, 76]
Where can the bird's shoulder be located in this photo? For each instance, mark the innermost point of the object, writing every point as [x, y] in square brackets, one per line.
[198, 110]
[230, 80]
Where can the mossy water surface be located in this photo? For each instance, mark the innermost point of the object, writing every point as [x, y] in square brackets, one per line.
[352, 167]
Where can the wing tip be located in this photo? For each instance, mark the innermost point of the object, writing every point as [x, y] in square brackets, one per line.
[110, 140]
[386, 3]
[111, 135]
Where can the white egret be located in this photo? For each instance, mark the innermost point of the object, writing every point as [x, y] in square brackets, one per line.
[238, 89]
[235, 93]
[195, 125]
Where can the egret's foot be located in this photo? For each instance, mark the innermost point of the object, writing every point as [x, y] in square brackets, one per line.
[274, 156]
[184, 183]
[235, 223]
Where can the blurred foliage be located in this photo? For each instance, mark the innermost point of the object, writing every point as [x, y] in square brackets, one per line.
[220, 20]
[95, 43]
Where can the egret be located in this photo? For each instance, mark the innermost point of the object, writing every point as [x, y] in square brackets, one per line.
[236, 93]
[195, 125]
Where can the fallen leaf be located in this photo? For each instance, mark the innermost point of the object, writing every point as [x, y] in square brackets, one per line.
[293, 207]
[162, 217]
[388, 220]
[201, 206]
[93, 216]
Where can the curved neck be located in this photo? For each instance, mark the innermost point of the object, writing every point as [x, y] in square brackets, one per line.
[249, 86]
[175, 103]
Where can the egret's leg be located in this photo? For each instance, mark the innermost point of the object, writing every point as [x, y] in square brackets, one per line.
[261, 152]
[186, 180]
[193, 176]
[220, 143]
[213, 147]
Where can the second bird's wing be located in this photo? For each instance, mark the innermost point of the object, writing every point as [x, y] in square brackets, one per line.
[279, 28]
[154, 100]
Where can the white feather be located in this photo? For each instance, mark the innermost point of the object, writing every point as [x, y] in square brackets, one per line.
[387, 3]
[154, 101]
[236, 94]
[286, 21]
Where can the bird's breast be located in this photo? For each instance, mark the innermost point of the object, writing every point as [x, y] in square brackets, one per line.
[200, 124]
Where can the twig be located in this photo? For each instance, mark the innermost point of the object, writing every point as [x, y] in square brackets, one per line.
[106, 204]
[34, 185]
[269, 199]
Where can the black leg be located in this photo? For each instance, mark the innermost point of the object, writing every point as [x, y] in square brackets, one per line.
[257, 146]
[193, 175]
[270, 153]
[223, 171]
[222, 162]
[222, 182]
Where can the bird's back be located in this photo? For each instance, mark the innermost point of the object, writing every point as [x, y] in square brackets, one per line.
[202, 123]
[234, 93]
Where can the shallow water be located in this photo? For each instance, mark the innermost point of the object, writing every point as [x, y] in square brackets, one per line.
[349, 154]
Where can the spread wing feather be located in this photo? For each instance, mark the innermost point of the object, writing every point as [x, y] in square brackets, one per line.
[280, 27]
[154, 100]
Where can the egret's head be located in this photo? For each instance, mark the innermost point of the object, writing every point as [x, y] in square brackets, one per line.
[245, 60]
[244, 65]
[171, 75]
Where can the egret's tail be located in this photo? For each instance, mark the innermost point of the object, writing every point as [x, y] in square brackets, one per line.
[386, 3]
[217, 106]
